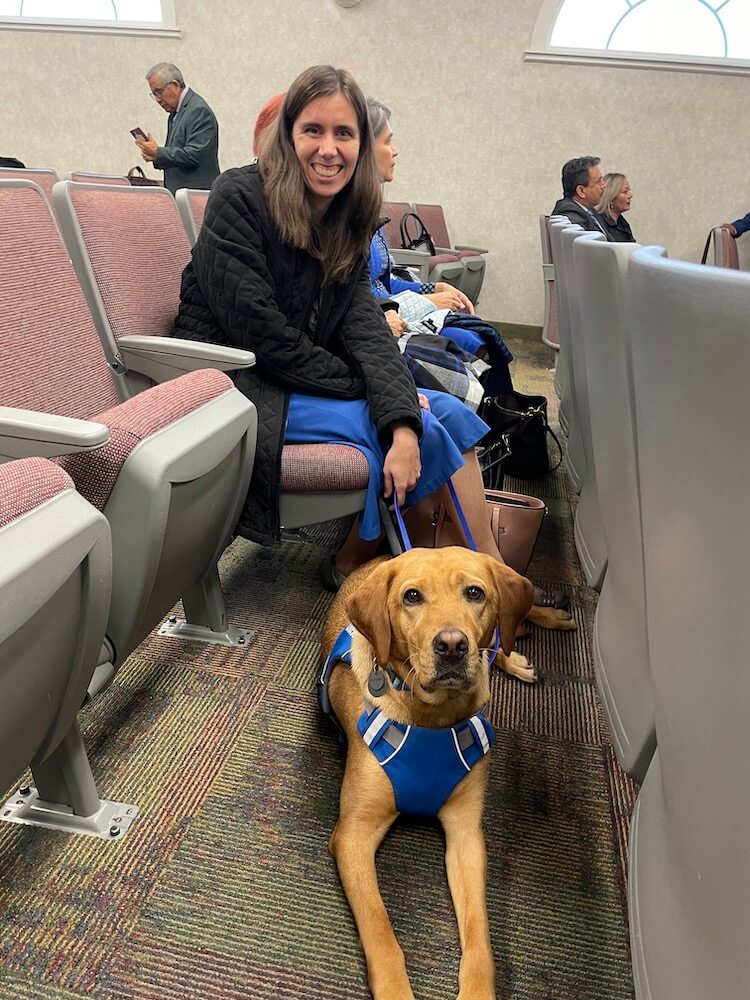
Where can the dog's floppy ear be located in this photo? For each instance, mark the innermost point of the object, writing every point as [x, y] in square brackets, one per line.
[367, 609]
[515, 599]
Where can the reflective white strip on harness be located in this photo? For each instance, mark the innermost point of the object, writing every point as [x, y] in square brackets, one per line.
[388, 736]
[458, 749]
[481, 732]
[375, 727]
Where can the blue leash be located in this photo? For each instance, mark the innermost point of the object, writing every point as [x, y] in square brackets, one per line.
[406, 543]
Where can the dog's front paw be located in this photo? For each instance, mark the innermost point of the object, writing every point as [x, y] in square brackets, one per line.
[553, 618]
[518, 666]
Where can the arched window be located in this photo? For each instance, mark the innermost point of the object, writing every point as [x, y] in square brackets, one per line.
[88, 14]
[708, 35]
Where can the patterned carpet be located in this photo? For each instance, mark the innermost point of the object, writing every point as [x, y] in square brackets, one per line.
[224, 889]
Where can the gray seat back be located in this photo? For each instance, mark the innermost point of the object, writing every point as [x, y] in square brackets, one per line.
[54, 590]
[690, 840]
[569, 320]
[562, 364]
[550, 332]
[620, 649]
[589, 535]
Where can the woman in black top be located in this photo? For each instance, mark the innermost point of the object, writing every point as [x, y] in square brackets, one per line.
[279, 268]
[615, 201]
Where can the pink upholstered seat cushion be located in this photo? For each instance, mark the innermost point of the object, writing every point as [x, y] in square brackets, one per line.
[28, 483]
[443, 258]
[138, 250]
[323, 468]
[95, 473]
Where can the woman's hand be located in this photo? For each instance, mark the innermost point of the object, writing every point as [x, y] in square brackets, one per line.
[394, 321]
[423, 402]
[402, 467]
[446, 296]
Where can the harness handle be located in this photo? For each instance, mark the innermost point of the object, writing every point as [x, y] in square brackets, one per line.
[406, 541]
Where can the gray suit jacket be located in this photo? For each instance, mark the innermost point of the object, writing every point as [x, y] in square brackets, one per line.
[190, 157]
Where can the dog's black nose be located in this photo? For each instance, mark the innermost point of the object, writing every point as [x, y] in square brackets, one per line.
[451, 642]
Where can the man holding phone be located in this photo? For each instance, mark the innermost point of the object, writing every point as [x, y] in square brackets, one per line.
[190, 154]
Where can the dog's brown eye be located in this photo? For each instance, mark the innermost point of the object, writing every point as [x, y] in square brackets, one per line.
[412, 596]
[474, 594]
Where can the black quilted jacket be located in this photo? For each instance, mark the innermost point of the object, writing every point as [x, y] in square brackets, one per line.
[246, 288]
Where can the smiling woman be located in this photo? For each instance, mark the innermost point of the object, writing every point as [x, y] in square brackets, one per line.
[279, 268]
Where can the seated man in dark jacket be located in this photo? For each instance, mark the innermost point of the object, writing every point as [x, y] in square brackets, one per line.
[583, 186]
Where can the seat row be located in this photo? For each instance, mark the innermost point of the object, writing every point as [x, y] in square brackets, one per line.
[151, 433]
[652, 364]
[460, 265]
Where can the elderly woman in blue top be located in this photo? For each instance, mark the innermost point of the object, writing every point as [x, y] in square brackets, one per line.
[461, 325]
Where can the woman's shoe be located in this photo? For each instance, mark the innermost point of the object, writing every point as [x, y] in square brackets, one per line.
[331, 576]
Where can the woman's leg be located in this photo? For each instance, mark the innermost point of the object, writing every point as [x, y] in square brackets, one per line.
[354, 551]
[467, 482]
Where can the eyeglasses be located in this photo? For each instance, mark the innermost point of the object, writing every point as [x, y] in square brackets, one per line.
[158, 92]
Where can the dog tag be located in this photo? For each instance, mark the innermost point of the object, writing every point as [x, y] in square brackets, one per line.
[376, 683]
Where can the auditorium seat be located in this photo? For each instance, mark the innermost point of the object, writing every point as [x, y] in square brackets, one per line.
[85, 178]
[689, 884]
[129, 248]
[471, 257]
[569, 320]
[46, 179]
[191, 204]
[620, 647]
[588, 531]
[562, 375]
[173, 477]
[438, 267]
[550, 333]
[723, 249]
[55, 577]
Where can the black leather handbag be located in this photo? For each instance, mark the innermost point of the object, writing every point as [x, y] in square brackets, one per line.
[421, 240]
[516, 442]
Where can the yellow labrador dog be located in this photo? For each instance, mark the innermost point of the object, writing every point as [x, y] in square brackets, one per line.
[421, 628]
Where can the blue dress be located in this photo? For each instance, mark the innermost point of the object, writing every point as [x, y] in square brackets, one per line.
[449, 430]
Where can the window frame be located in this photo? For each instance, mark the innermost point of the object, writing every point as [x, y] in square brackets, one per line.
[166, 28]
[541, 51]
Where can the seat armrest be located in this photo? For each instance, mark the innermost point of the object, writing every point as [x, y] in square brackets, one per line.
[163, 358]
[27, 433]
[413, 258]
[465, 246]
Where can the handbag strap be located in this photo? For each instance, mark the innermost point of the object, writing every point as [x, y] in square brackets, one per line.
[422, 232]
[461, 517]
[704, 255]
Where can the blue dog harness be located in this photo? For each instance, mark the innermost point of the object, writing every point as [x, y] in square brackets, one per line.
[423, 765]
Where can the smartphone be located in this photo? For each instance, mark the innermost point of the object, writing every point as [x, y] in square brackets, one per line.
[138, 133]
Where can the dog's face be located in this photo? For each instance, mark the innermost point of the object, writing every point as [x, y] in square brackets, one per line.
[434, 611]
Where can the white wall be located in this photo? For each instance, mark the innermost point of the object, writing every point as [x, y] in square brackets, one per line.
[479, 130]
